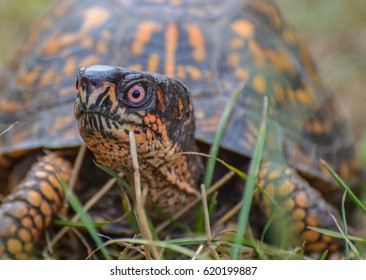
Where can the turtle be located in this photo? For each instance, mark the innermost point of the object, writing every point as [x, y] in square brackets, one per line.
[181, 62]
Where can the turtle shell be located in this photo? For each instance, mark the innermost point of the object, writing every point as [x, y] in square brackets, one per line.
[211, 46]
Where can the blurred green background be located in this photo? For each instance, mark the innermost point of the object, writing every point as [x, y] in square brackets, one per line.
[334, 31]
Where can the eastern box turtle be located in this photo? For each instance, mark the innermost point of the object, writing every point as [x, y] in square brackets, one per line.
[211, 46]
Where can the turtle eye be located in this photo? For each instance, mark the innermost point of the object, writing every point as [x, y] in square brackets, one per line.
[136, 94]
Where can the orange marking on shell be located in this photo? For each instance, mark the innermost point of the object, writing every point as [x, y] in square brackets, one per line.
[143, 35]
[89, 60]
[171, 45]
[195, 73]
[259, 84]
[237, 43]
[279, 93]
[94, 17]
[47, 77]
[289, 36]
[270, 10]
[243, 28]
[27, 77]
[258, 54]
[181, 72]
[136, 67]
[55, 44]
[241, 74]
[197, 41]
[70, 66]
[233, 59]
[153, 63]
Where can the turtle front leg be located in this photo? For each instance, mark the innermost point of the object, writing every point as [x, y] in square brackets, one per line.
[28, 210]
[302, 207]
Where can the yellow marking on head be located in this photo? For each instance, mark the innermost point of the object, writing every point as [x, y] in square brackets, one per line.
[197, 41]
[143, 35]
[153, 63]
[259, 84]
[171, 44]
[243, 28]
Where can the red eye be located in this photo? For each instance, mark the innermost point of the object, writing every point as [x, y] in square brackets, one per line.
[76, 86]
[136, 94]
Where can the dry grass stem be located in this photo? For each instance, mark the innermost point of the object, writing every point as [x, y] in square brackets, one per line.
[89, 204]
[233, 211]
[77, 166]
[139, 205]
[6, 130]
[207, 222]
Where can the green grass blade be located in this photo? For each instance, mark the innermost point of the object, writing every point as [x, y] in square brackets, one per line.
[210, 166]
[160, 244]
[78, 208]
[214, 149]
[250, 184]
[354, 198]
[116, 176]
[345, 228]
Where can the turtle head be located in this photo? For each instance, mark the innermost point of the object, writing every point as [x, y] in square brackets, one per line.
[112, 101]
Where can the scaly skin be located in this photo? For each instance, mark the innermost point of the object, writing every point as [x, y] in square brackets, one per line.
[29, 209]
[162, 122]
